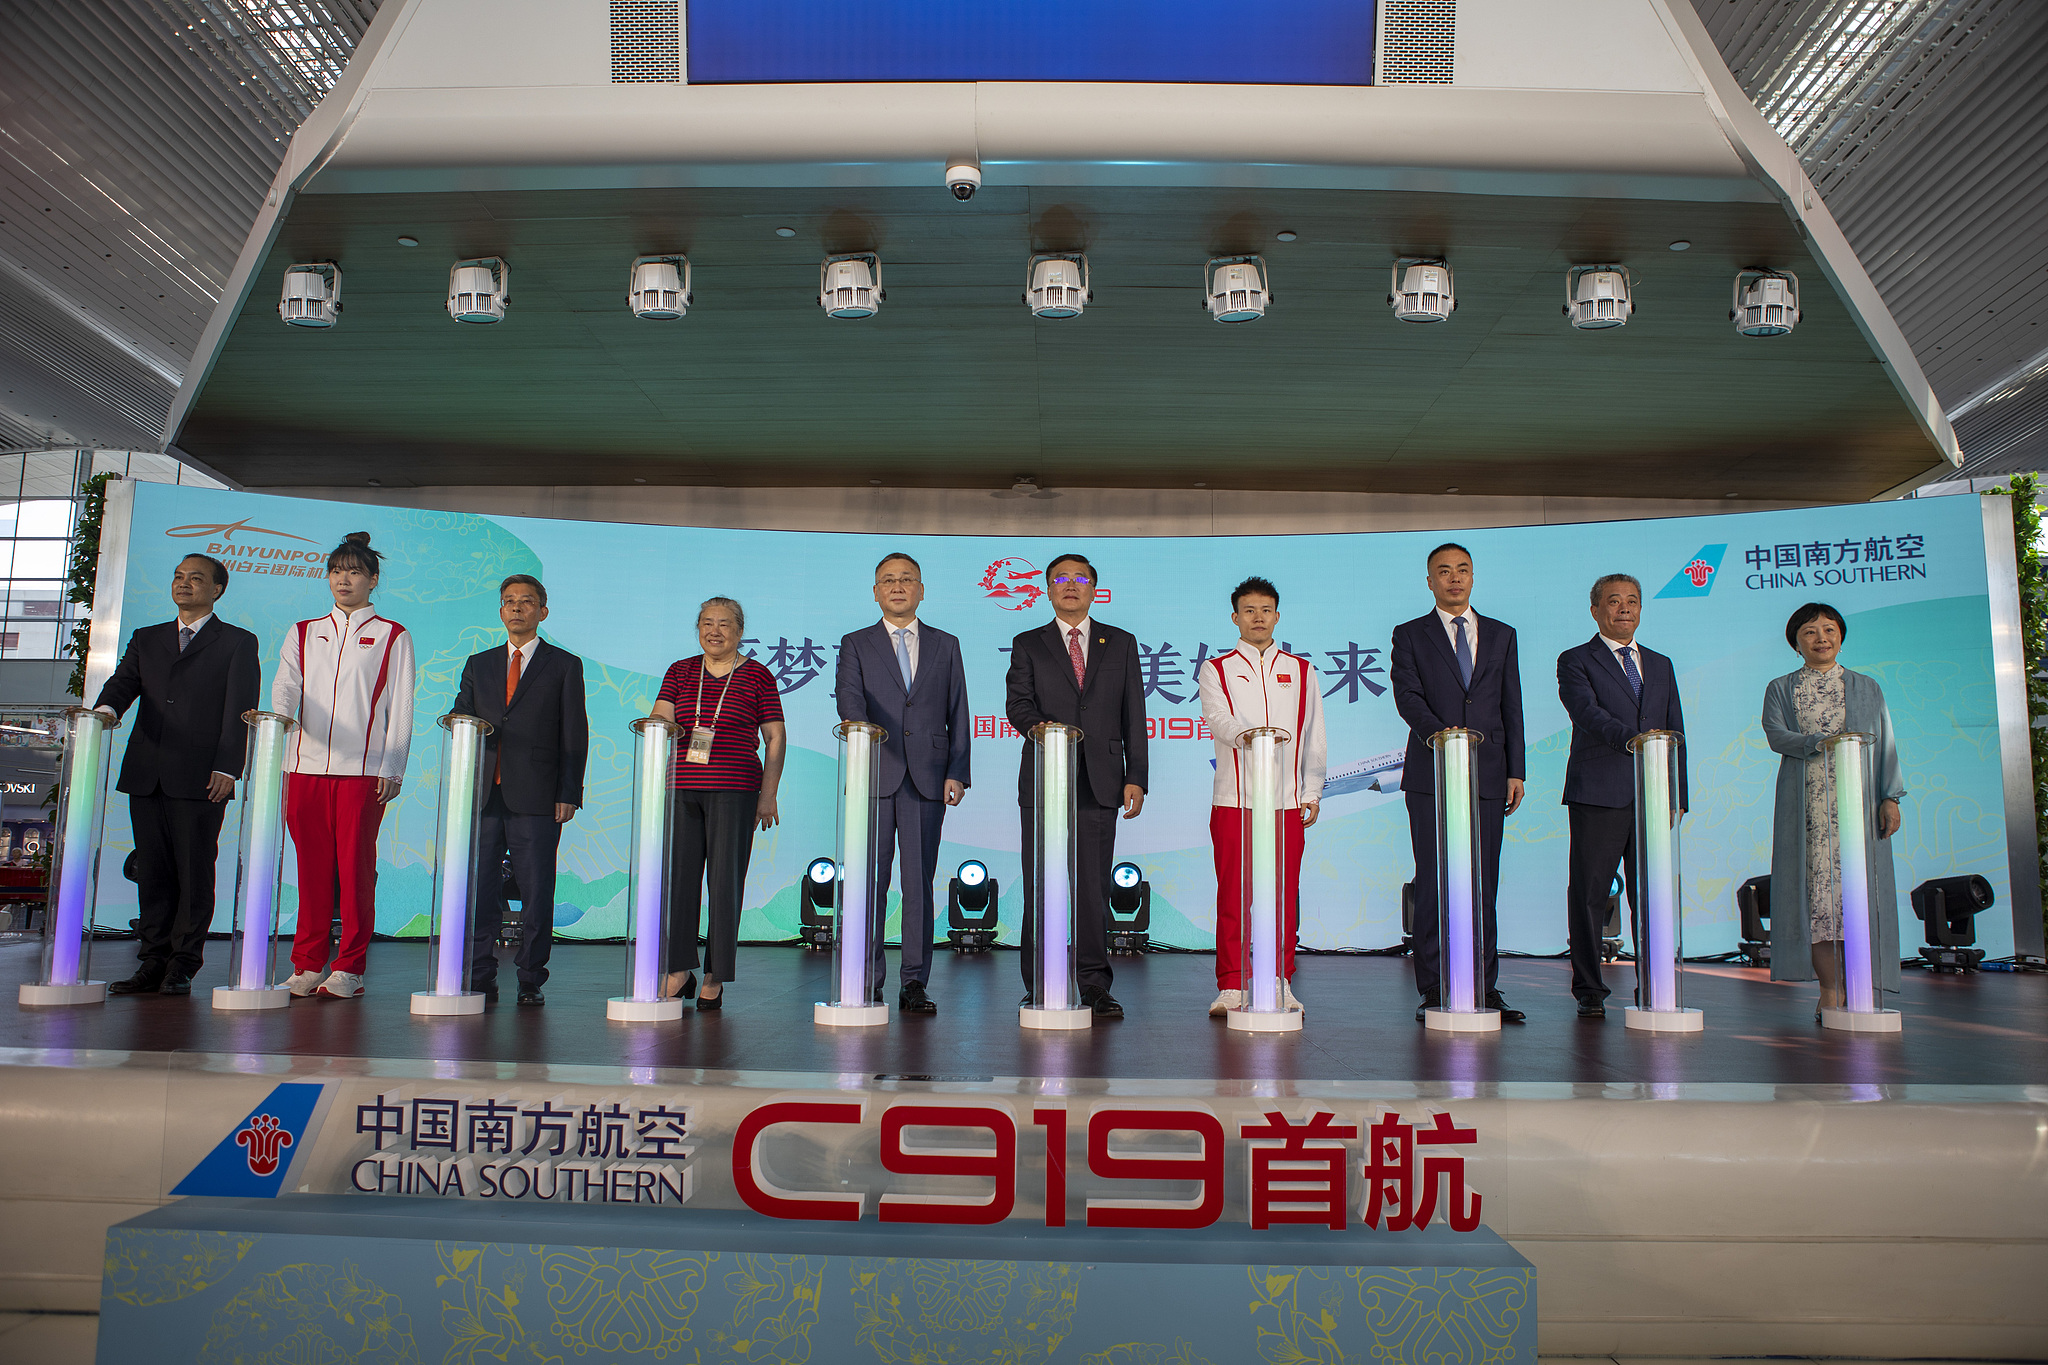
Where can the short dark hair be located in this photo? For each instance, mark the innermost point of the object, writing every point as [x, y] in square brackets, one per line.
[1604, 579]
[1813, 611]
[354, 552]
[1447, 545]
[540, 589]
[1082, 560]
[898, 554]
[220, 570]
[1262, 587]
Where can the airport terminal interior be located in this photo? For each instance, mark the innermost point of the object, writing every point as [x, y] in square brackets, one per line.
[1096, 683]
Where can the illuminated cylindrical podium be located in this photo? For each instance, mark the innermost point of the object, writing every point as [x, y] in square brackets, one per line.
[1460, 889]
[462, 803]
[1855, 780]
[1262, 892]
[259, 871]
[1659, 904]
[647, 878]
[1050, 891]
[74, 863]
[857, 917]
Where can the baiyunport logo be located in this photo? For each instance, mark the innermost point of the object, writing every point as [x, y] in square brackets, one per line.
[226, 531]
[1695, 577]
[265, 1138]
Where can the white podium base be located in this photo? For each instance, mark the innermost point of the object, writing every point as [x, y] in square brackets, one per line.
[849, 1016]
[84, 993]
[429, 1002]
[1462, 1021]
[642, 1011]
[251, 997]
[1264, 1021]
[1849, 1021]
[1665, 1021]
[1030, 1016]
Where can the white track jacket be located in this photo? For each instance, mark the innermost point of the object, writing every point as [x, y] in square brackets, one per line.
[1249, 688]
[347, 678]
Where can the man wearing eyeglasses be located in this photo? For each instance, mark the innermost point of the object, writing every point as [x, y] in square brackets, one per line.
[1077, 671]
[906, 676]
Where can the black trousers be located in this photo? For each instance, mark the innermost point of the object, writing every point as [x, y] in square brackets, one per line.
[1422, 834]
[1601, 837]
[176, 841]
[531, 842]
[1094, 853]
[713, 841]
[909, 821]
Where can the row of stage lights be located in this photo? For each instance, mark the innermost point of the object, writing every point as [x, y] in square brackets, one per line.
[1057, 285]
[973, 905]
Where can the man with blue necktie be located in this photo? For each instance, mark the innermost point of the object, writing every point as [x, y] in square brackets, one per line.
[1456, 668]
[1613, 689]
[907, 677]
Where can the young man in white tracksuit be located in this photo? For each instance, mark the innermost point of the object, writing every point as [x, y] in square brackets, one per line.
[347, 678]
[1256, 685]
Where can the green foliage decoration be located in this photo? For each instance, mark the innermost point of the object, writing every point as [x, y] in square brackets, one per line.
[85, 572]
[2025, 490]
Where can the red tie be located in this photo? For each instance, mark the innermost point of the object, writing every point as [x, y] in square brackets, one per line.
[1074, 653]
[511, 686]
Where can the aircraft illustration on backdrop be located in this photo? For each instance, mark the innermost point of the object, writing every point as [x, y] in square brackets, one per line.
[1380, 773]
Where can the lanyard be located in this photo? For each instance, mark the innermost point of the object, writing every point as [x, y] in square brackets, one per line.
[697, 720]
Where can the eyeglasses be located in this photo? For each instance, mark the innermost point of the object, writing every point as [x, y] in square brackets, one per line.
[897, 582]
[1077, 582]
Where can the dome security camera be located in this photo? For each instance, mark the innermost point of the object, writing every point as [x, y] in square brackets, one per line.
[963, 180]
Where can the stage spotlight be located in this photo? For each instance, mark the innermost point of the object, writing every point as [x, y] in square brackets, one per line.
[1610, 931]
[658, 287]
[814, 904]
[1948, 907]
[1423, 290]
[1236, 289]
[312, 295]
[479, 290]
[1766, 302]
[1056, 286]
[972, 900]
[1597, 296]
[1130, 910]
[850, 286]
[1753, 906]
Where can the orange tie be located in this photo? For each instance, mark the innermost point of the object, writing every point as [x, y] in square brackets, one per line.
[511, 686]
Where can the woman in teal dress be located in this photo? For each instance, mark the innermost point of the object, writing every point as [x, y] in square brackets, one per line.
[1819, 699]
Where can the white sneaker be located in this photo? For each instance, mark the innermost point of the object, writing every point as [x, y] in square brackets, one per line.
[1287, 997]
[1225, 1002]
[342, 986]
[303, 984]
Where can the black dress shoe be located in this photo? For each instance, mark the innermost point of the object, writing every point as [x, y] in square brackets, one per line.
[1508, 1014]
[1592, 1009]
[530, 995]
[712, 1002]
[489, 993]
[1432, 1001]
[1104, 1004]
[144, 982]
[913, 1000]
[175, 983]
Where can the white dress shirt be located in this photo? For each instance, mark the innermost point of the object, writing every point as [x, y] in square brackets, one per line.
[909, 642]
[525, 653]
[1471, 619]
[195, 627]
[1617, 649]
[1087, 628]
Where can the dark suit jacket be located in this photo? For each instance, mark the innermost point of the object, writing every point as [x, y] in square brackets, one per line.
[1110, 712]
[190, 724]
[543, 736]
[1430, 696]
[929, 729]
[1606, 716]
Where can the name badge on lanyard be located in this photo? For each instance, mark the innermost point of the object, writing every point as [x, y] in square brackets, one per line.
[701, 735]
[699, 750]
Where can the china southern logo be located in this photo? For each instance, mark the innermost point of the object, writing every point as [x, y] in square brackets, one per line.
[1696, 577]
[253, 1159]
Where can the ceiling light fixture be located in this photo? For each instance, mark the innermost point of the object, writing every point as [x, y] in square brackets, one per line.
[785, 232]
[1056, 285]
[1284, 236]
[1597, 297]
[1423, 289]
[312, 295]
[408, 241]
[1236, 288]
[850, 286]
[1026, 486]
[479, 290]
[1766, 302]
[1681, 245]
[658, 287]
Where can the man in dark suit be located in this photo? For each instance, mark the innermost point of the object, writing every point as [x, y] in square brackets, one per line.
[532, 695]
[1613, 689]
[907, 677]
[1079, 672]
[1456, 668]
[195, 676]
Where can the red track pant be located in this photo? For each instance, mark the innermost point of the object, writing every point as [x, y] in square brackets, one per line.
[334, 823]
[1227, 833]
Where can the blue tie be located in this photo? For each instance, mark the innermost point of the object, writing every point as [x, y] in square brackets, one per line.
[1628, 666]
[903, 655]
[1463, 648]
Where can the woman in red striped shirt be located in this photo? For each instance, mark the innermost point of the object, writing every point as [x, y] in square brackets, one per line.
[723, 790]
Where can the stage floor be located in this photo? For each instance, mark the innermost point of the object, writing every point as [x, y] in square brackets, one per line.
[1985, 1029]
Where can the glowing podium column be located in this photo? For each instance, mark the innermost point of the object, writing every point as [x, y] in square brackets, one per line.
[1659, 918]
[1460, 892]
[259, 871]
[462, 804]
[1856, 837]
[647, 866]
[74, 865]
[857, 918]
[1262, 892]
[1049, 897]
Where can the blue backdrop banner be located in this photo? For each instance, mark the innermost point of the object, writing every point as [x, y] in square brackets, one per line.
[1909, 576]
